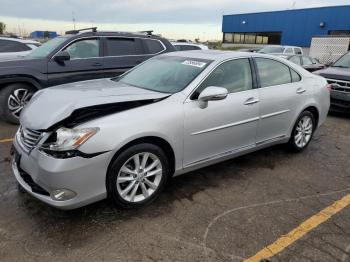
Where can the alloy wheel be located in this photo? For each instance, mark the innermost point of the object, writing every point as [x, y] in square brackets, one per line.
[303, 131]
[17, 100]
[139, 177]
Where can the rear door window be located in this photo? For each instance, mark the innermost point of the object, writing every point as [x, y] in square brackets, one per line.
[272, 72]
[121, 46]
[295, 76]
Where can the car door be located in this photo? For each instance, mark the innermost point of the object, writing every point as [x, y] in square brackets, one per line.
[86, 62]
[281, 95]
[224, 126]
[122, 54]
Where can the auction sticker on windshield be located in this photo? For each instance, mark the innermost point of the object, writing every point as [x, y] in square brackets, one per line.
[194, 63]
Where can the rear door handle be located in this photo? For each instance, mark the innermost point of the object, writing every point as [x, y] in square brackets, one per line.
[251, 100]
[97, 64]
[301, 90]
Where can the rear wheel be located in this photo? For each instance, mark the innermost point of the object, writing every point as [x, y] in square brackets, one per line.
[137, 176]
[12, 100]
[302, 132]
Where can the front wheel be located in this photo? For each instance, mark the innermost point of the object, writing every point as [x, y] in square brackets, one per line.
[137, 176]
[13, 98]
[303, 131]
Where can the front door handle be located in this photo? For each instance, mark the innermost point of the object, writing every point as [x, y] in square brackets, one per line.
[251, 100]
[97, 64]
[301, 90]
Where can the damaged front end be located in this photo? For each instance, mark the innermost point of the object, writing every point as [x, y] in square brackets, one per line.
[64, 139]
[54, 114]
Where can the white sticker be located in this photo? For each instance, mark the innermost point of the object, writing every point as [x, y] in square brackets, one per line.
[194, 63]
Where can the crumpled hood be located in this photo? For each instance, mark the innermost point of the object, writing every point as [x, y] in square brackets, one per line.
[52, 105]
[335, 73]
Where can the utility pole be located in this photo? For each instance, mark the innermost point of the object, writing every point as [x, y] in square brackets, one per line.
[73, 19]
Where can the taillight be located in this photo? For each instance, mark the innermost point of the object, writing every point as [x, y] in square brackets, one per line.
[329, 87]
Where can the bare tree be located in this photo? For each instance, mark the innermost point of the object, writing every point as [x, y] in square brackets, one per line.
[2, 28]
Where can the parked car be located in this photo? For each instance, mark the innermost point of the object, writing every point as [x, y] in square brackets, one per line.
[187, 46]
[14, 48]
[281, 50]
[307, 62]
[338, 76]
[73, 57]
[251, 50]
[123, 137]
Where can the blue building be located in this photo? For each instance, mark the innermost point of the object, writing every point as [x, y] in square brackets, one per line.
[43, 34]
[289, 27]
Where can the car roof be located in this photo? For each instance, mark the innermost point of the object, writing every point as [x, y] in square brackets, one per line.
[27, 41]
[216, 55]
[186, 43]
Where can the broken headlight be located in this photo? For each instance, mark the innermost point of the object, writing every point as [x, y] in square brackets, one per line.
[65, 139]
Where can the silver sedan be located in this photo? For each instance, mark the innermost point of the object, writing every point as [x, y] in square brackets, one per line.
[124, 137]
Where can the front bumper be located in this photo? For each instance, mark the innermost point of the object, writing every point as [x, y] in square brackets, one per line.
[340, 101]
[40, 175]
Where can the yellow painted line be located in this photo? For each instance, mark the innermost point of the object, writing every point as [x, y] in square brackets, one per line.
[305, 227]
[6, 140]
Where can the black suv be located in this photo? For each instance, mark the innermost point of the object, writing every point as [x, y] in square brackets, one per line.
[76, 56]
[338, 75]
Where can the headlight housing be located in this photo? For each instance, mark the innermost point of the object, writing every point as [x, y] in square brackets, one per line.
[65, 139]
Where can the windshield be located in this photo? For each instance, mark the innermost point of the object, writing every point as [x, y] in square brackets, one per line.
[344, 61]
[166, 74]
[45, 49]
[271, 49]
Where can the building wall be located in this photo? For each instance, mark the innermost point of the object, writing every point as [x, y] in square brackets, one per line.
[41, 34]
[297, 26]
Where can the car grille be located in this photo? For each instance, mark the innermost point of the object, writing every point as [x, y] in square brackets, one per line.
[339, 85]
[28, 138]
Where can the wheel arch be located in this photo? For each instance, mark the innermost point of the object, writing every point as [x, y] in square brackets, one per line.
[22, 80]
[161, 142]
[313, 109]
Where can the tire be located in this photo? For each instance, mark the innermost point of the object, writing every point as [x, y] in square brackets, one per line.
[302, 132]
[15, 96]
[122, 178]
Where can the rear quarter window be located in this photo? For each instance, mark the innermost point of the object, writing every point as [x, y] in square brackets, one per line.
[153, 46]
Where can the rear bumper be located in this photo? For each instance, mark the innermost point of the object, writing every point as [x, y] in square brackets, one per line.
[40, 175]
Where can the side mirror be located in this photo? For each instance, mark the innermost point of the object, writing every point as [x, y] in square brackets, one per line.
[62, 56]
[211, 93]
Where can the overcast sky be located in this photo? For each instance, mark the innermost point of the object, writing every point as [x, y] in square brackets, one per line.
[171, 18]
